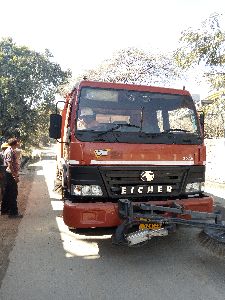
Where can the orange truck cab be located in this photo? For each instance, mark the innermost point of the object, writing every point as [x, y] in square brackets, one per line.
[122, 141]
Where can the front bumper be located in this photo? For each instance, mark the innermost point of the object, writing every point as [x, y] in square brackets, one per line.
[106, 214]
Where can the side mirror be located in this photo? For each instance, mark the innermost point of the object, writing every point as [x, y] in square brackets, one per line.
[202, 120]
[55, 126]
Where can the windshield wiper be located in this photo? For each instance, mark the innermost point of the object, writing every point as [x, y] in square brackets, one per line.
[175, 130]
[117, 127]
[97, 134]
[123, 125]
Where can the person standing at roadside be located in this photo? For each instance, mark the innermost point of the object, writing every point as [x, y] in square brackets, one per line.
[9, 201]
[4, 146]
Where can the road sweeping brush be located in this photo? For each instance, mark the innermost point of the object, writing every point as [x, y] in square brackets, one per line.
[142, 221]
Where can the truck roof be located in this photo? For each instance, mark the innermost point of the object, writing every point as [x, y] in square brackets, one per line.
[134, 87]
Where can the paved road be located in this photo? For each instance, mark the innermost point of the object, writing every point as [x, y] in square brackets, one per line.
[50, 262]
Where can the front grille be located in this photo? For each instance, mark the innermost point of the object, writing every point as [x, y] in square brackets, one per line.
[126, 181]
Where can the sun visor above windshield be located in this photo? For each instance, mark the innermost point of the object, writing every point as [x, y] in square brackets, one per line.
[99, 94]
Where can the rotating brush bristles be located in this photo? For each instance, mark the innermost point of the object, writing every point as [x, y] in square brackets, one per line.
[214, 241]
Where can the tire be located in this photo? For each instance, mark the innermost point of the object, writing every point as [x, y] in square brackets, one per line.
[58, 186]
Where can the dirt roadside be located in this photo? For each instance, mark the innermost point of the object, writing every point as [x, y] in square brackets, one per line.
[9, 227]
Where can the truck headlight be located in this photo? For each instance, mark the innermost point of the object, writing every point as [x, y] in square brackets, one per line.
[86, 190]
[195, 187]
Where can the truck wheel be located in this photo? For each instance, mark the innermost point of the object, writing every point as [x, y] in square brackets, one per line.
[58, 181]
[58, 185]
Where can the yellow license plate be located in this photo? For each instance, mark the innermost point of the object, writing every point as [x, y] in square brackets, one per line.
[151, 226]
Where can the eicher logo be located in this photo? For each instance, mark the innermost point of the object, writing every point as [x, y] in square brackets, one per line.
[101, 152]
[147, 176]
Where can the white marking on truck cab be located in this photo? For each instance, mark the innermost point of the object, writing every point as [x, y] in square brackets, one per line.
[143, 162]
[74, 162]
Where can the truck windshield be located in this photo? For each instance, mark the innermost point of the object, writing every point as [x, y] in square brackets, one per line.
[112, 115]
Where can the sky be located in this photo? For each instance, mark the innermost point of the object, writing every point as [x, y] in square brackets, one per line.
[82, 33]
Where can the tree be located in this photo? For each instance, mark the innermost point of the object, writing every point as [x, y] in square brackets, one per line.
[28, 82]
[205, 47]
[136, 66]
[214, 119]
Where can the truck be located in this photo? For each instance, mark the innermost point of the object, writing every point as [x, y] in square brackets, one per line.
[132, 157]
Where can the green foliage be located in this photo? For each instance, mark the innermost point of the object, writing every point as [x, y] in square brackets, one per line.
[28, 83]
[215, 118]
[204, 46]
[136, 66]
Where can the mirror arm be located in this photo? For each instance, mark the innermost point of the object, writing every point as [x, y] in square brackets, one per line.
[202, 120]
